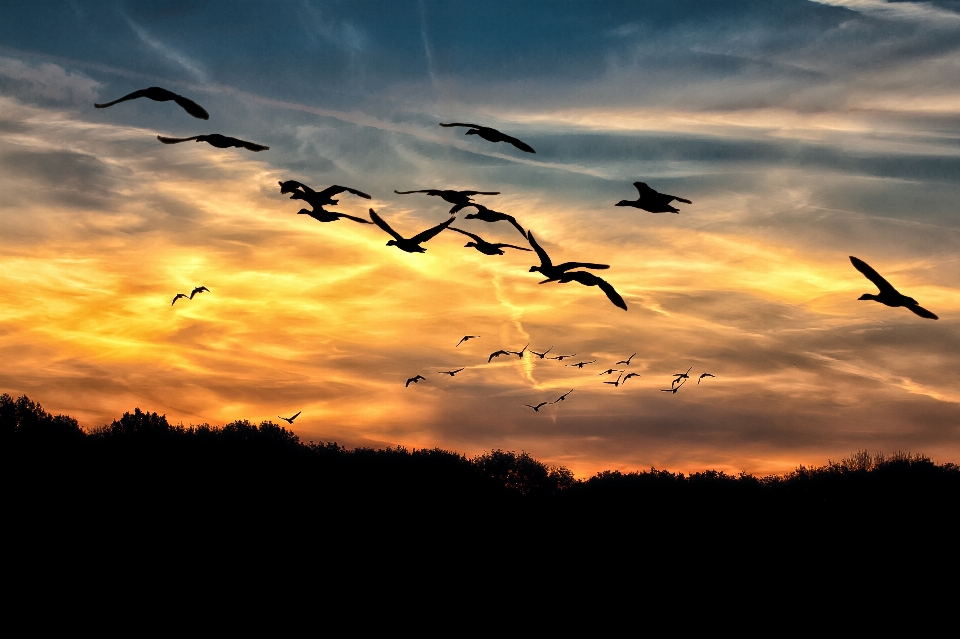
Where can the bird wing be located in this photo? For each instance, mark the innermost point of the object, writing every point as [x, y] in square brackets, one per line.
[176, 140]
[523, 146]
[544, 258]
[408, 381]
[354, 218]
[476, 237]
[191, 107]
[176, 297]
[379, 221]
[680, 199]
[922, 312]
[472, 193]
[643, 189]
[497, 354]
[612, 294]
[458, 370]
[519, 248]
[250, 146]
[872, 275]
[431, 232]
[291, 186]
[130, 96]
[409, 192]
[472, 126]
[566, 266]
[333, 190]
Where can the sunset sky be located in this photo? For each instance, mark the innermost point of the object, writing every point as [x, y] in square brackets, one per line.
[803, 132]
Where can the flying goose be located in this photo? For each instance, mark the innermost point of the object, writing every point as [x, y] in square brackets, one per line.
[678, 376]
[629, 375]
[581, 364]
[492, 135]
[289, 420]
[704, 375]
[560, 358]
[317, 199]
[673, 389]
[616, 383]
[158, 94]
[199, 289]
[450, 373]
[543, 354]
[563, 397]
[498, 354]
[413, 244]
[652, 201]
[538, 406]
[459, 199]
[487, 215]
[217, 140]
[520, 352]
[414, 380]
[546, 265]
[589, 279]
[487, 248]
[888, 295]
[467, 338]
[627, 361]
[178, 296]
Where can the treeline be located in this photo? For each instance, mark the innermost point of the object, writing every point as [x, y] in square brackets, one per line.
[140, 475]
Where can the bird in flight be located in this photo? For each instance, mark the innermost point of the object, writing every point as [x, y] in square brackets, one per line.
[589, 279]
[217, 140]
[627, 361]
[652, 201]
[629, 375]
[498, 354]
[414, 380]
[467, 338]
[487, 215]
[289, 420]
[199, 289]
[520, 352]
[678, 376]
[450, 373]
[178, 296]
[704, 375]
[317, 199]
[616, 383]
[888, 295]
[537, 407]
[162, 95]
[610, 370]
[563, 397]
[546, 264]
[487, 248]
[560, 358]
[413, 244]
[581, 364]
[459, 199]
[543, 354]
[322, 215]
[673, 389]
[492, 135]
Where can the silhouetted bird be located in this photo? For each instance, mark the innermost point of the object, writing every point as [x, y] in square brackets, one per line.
[178, 296]
[537, 407]
[888, 295]
[520, 352]
[653, 201]
[316, 199]
[466, 338]
[678, 376]
[414, 380]
[616, 383]
[289, 420]
[546, 265]
[704, 375]
[498, 354]
[610, 370]
[322, 215]
[581, 364]
[413, 244]
[673, 389]
[629, 375]
[589, 279]
[492, 135]
[162, 95]
[487, 215]
[563, 397]
[217, 140]
[560, 358]
[459, 199]
[543, 354]
[199, 289]
[450, 373]
[487, 248]
[627, 361]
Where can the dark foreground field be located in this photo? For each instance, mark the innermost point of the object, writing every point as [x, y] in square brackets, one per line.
[141, 490]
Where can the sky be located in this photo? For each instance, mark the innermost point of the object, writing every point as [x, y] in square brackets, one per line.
[803, 132]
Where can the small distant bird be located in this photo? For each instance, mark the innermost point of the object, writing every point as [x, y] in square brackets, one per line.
[627, 361]
[178, 296]
[487, 248]
[888, 295]
[678, 376]
[547, 267]
[466, 338]
[450, 373]
[217, 140]
[616, 383]
[492, 135]
[629, 375]
[652, 201]
[498, 354]
[488, 215]
[581, 364]
[199, 289]
[322, 215]
[543, 354]
[413, 244]
[414, 380]
[162, 95]
[563, 397]
[673, 389]
[610, 370]
[317, 199]
[459, 199]
[537, 407]
[289, 420]
[520, 352]
[589, 279]
[560, 358]
[704, 375]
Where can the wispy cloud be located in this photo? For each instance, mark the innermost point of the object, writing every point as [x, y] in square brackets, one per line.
[190, 66]
[916, 11]
[49, 81]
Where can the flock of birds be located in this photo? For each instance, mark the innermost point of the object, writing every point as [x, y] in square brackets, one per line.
[648, 200]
